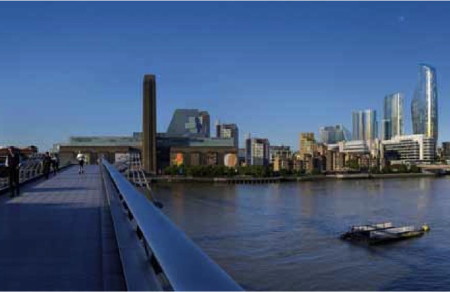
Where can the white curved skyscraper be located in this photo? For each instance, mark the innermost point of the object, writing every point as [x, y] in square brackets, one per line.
[425, 104]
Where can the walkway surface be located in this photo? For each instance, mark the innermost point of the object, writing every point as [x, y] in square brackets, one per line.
[58, 235]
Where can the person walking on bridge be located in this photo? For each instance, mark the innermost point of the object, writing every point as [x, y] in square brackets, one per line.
[55, 163]
[47, 161]
[13, 165]
[81, 158]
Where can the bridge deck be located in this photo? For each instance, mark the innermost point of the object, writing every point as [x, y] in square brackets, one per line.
[57, 235]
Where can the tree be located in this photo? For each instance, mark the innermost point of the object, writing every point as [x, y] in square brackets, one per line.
[315, 171]
[353, 164]
[414, 169]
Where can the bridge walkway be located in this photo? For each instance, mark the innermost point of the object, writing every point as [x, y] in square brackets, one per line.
[58, 235]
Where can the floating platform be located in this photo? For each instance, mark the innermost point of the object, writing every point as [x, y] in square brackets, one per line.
[383, 233]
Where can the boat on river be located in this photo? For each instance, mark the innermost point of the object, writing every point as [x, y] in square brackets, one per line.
[383, 232]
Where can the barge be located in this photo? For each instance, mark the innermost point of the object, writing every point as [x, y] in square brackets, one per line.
[382, 233]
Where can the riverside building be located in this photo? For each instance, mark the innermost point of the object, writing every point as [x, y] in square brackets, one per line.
[446, 151]
[228, 131]
[187, 140]
[280, 157]
[424, 107]
[189, 123]
[307, 144]
[409, 149]
[257, 151]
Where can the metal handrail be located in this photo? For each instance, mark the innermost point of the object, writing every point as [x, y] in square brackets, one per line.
[30, 169]
[183, 263]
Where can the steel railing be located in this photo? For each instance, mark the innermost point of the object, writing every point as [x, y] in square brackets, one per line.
[133, 170]
[184, 265]
[29, 169]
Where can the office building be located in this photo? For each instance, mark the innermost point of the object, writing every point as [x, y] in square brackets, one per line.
[392, 123]
[149, 124]
[365, 125]
[386, 128]
[230, 131]
[334, 134]
[189, 123]
[307, 144]
[257, 151]
[424, 106]
[355, 146]
[409, 149]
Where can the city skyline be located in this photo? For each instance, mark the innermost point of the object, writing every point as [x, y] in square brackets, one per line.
[72, 73]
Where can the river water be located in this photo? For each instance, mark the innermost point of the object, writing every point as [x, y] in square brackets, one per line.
[285, 236]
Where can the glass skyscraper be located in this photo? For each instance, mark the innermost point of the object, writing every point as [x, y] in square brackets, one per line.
[392, 123]
[334, 134]
[424, 105]
[365, 125]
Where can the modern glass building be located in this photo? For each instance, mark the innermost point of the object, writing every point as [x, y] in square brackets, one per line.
[189, 123]
[386, 133]
[425, 103]
[334, 134]
[392, 123]
[365, 125]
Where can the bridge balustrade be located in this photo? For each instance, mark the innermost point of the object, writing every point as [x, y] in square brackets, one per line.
[30, 169]
[177, 261]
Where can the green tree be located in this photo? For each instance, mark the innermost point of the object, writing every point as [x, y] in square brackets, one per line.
[353, 164]
[315, 172]
[414, 169]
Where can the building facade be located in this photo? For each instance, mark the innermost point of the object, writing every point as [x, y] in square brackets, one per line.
[189, 123]
[355, 146]
[230, 131]
[424, 107]
[257, 151]
[334, 134]
[95, 147]
[409, 149]
[392, 123]
[307, 144]
[364, 125]
[204, 155]
[445, 151]
[280, 157]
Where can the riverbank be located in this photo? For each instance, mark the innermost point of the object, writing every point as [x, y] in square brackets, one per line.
[263, 180]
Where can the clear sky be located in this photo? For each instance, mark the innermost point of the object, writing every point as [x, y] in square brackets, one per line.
[276, 69]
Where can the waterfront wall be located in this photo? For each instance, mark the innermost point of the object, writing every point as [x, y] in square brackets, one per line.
[254, 180]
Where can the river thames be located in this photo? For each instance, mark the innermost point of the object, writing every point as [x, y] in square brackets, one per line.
[285, 236]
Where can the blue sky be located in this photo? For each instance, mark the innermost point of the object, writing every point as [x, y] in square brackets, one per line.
[276, 69]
